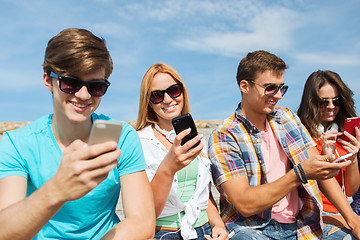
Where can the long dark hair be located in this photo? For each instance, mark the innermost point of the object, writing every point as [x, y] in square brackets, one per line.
[310, 102]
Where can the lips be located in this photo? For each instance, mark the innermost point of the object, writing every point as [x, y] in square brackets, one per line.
[80, 106]
[329, 114]
[272, 103]
[169, 108]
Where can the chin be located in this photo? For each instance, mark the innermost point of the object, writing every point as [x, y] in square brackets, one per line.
[79, 118]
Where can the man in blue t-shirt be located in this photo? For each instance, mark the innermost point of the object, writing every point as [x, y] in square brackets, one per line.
[52, 184]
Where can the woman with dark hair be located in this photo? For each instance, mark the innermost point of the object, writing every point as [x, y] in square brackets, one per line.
[325, 104]
[179, 174]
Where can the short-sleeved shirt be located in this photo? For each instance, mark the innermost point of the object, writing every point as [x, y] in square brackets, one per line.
[235, 151]
[32, 152]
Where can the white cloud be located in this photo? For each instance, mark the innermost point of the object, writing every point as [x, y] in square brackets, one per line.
[269, 28]
[112, 29]
[329, 58]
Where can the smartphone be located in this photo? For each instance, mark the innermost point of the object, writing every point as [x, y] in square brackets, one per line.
[104, 130]
[349, 126]
[343, 157]
[183, 122]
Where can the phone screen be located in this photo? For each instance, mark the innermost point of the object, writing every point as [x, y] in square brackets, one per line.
[184, 122]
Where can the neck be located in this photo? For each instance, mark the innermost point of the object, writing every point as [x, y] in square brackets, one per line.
[67, 131]
[258, 119]
[165, 124]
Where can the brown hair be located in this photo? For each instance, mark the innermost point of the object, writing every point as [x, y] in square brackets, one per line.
[77, 51]
[258, 62]
[310, 102]
[146, 114]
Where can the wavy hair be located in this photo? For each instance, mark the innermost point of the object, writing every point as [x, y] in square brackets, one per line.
[76, 51]
[146, 114]
[309, 109]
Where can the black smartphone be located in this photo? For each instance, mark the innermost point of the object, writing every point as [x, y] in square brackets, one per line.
[184, 122]
[104, 130]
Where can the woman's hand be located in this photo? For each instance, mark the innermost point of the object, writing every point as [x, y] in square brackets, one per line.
[328, 142]
[218, 233]
[179, 156]
[353, 145]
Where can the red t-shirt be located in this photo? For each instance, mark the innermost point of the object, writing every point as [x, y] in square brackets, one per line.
[328, 207]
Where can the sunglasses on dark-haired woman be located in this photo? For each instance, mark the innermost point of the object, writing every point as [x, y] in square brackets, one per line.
[326, 101]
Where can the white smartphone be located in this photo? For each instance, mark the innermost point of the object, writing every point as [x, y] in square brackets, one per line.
[343, 157]
[104, 130]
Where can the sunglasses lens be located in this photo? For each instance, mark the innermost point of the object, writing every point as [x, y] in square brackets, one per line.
[336, 102]
[97, 89]
[174, 90]
[156, 96]
[324, 103]
[271, 90]
[70, 85]
[283, 90]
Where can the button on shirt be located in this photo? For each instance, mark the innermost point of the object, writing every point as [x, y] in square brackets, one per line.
[235, 151]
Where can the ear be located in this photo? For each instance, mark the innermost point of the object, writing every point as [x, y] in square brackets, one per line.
[47, 82]
[244, 86]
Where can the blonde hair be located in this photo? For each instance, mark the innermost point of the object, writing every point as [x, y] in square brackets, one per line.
[146, 114]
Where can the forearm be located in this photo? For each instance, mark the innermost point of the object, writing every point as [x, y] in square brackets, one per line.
[352, 179]
[133, 227]
[24, 219]
[161, 185]
[252, 200]
[332, 191]
[213, 214]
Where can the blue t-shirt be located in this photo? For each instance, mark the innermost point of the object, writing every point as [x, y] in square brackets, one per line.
[32, 152]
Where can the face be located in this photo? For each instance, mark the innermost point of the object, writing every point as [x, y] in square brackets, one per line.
[254, 95]
[169, 108]
[76, 107]
[329, 112]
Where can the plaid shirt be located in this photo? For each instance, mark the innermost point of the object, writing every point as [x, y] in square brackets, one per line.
[235, 150]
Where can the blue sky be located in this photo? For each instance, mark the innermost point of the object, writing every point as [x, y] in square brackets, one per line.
[203, 40]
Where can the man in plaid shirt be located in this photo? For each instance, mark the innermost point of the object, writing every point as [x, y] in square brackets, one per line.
[264, 161]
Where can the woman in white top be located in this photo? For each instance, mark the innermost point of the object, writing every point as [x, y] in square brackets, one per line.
[179, 175]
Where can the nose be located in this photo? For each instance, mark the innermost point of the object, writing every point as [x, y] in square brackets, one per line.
[167, 98]
[278, 95]
[331, 104]
[83, 93]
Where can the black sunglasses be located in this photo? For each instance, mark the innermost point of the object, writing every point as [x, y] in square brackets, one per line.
[272, 89]
[72, 85]
[173, 91]
[326, 101]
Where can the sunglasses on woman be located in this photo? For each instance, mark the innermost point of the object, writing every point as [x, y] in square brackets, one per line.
[173, 91]
[326, 101]
[272, 89]
[72, 85]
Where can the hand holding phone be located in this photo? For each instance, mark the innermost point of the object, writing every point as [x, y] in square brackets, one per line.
[349, 126]
[184, 122]
[104, 130]
[343, 157]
